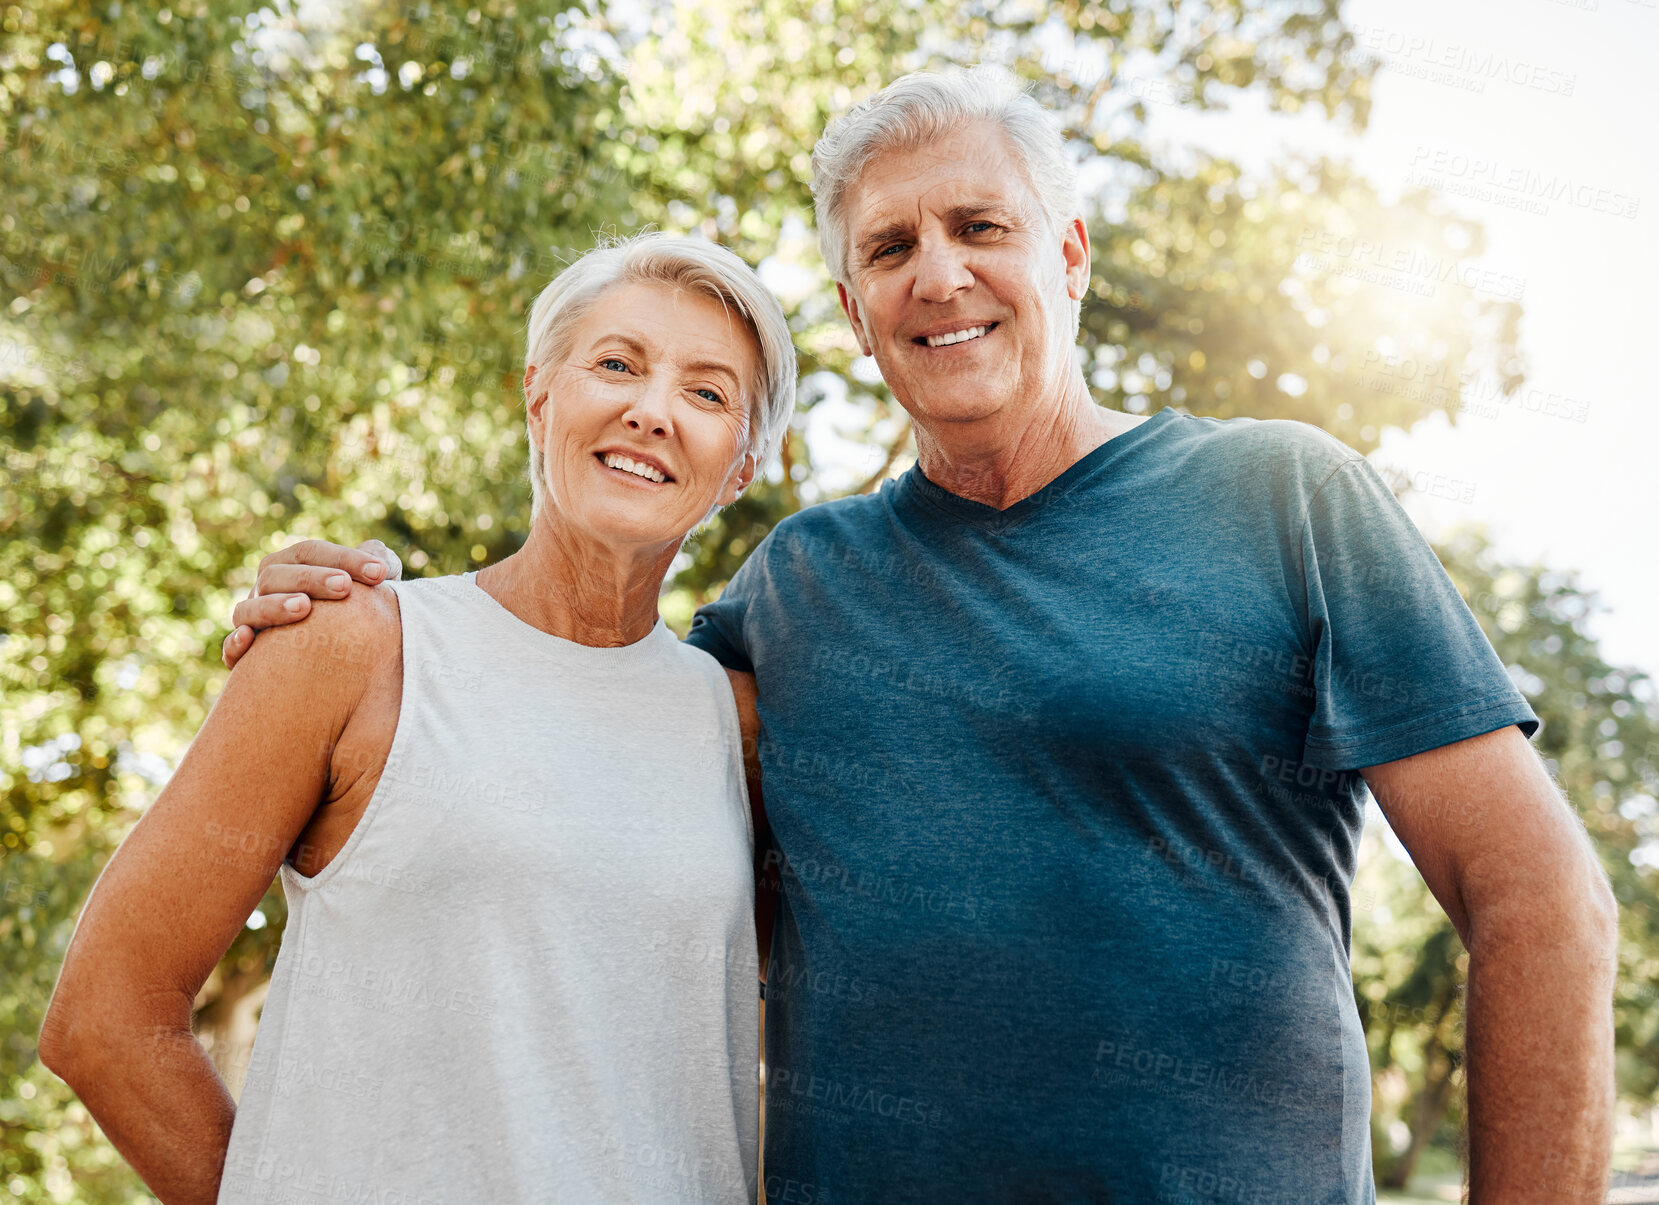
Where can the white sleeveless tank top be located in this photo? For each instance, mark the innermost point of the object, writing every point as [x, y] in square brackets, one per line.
[530, 974]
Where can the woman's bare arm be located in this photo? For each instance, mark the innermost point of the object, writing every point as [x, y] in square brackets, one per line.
[184, 882]
[290, 579]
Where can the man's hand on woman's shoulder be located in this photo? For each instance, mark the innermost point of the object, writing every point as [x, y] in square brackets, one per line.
[290, 579]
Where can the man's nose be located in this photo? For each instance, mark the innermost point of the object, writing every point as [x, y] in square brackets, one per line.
[941, 270]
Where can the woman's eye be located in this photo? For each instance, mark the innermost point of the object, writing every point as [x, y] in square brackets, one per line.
[620, 365]
[711, 395]
[980, 227]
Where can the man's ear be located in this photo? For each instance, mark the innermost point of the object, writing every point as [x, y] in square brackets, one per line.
[740, 478]
[1075, 251]
[849, 307]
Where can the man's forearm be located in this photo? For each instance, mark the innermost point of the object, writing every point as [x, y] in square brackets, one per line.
[1540, 1055]
[161, 1102]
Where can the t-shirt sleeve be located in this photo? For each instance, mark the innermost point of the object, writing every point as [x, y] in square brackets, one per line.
[1400, 665]
[717, 628]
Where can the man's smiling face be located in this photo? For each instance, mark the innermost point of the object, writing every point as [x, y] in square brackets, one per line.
[959, 287]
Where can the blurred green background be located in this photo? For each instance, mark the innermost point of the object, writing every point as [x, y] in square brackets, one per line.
[264, 274]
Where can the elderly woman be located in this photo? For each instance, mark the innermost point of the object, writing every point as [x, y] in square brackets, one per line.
[509, 814]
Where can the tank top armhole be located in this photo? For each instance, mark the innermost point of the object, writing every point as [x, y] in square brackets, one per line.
[400, 738]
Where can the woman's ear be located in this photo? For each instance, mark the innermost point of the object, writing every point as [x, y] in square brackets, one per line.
[740, 478]
[534, 402]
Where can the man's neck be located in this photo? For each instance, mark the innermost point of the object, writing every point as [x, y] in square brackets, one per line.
[986, 462]
[577, 589]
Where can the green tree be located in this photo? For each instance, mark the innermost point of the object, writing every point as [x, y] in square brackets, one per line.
[1600, 740]
[266, 278]
[260, 279]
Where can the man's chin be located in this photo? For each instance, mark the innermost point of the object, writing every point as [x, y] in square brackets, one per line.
[951, 406]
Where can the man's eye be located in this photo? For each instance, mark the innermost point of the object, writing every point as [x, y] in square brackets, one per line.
[980, 227]
[887, 251]
[620, 365]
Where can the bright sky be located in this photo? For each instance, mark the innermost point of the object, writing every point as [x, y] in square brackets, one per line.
[1502, 106]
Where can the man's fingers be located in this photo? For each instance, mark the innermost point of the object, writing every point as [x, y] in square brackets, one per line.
[319, 554]
[270, 611]
[312, 580]
[393, 566]
[231, 650]
[238, 642]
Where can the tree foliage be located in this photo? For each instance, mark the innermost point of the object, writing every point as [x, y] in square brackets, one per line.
[265, 274]
[1600, 741]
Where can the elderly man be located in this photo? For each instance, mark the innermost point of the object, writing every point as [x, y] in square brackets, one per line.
[1064, 737]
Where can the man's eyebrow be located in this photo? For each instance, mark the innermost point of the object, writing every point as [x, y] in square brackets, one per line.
[978, 209]
[885, 234]
[961, 212]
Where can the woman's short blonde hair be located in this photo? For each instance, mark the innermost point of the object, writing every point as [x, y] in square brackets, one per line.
[684, 263]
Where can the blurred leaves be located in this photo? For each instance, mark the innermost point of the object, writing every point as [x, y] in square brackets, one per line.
[1600, 741]
[264, 273]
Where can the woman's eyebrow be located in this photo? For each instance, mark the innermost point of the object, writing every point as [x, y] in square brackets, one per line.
[628, 341]
[715, 366]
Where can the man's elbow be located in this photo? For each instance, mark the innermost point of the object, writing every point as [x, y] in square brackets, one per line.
[1569, 907]
[1592, 923]
[1603, 922]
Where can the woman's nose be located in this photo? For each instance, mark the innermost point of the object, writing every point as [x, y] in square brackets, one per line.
[649, 413]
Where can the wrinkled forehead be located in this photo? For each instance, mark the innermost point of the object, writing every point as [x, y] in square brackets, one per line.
[972, 166]
[682, 326]
[673, 315]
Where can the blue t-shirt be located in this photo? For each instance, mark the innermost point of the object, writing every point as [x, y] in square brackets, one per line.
[1067, 805]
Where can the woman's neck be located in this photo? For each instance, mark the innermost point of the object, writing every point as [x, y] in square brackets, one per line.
[578, 589]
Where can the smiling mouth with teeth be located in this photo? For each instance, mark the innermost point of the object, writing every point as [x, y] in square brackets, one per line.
[961, 336]
[615, 460]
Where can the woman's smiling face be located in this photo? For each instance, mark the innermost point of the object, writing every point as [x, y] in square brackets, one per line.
[644, 422]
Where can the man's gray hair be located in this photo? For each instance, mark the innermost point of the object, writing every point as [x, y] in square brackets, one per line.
[921, 108]
[687, 264]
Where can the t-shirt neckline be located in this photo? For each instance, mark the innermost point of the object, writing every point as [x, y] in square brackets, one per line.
[914, 484]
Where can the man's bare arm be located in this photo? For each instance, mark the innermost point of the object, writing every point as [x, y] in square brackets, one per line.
[767, 881]
[1511, 865]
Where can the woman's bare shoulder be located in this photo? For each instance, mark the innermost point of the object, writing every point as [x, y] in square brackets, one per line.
[345, 642]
